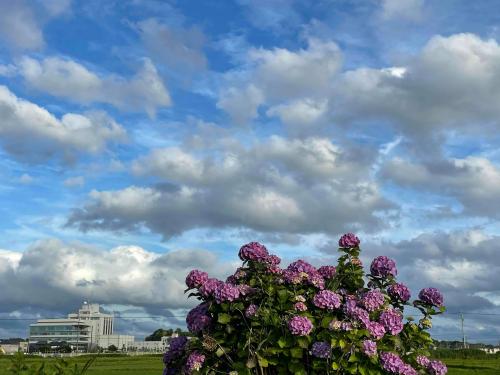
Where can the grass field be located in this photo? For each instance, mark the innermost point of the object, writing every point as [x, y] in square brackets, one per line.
[151, 365]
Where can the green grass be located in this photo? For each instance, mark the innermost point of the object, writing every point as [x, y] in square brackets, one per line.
[152, 365]
[105, 365]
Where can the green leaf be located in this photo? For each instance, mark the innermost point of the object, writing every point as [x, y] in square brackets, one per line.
[296, 352]
[263, 362]
[219, 352]
[224, 318]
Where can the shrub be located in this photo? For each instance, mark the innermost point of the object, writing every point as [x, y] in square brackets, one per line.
[305, 320]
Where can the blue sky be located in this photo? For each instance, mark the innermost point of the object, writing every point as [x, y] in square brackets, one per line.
[140, 139]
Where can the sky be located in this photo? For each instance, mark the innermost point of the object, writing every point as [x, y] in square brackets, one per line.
[140, 139]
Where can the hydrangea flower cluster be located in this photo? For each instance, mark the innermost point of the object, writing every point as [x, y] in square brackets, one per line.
[383, 266]
[198, 319]
[349, 240]
[370, 348]
[326, 299]
[300, 326]
[266, 316]
[431, 296]
[321, 349]
[399, 292]
[194, 362]
[372, 300]
[392, 321]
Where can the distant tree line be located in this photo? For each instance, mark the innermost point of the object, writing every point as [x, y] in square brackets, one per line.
[159, 333]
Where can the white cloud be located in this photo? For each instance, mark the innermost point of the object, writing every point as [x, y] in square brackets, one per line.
[178, 48]
[26, 179]
[272, 186]
[53, 273]
[404, 10]
[274, 76]
[30, 133]
[473, 181]
[19, 25]
[68, 79]
[77, 181]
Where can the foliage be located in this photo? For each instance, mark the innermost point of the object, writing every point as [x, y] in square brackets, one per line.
[305, 320]
[61, 366]
[112, 348]
[159, 333]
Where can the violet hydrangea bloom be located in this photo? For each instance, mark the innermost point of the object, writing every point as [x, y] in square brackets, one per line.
[383, 266]
[273, 260]
[321, 349]
[226, 293]
[175, 349]
[399, 291]
[406, 369]
[302, 266]
[328, 272]
[349, 240]
[423, 361]
[376, 330]
[253, 251]
[245, 289]
[208, 288]
[300, 326]
[391, 362]
[326, 299]
[369, 348]
[196, 278]
[372, 300]
[251, 311]
[317, 280]
[197, 319]
[431, 296]
[194, 362]
[437, 368]
[300, 306]
[392, 320]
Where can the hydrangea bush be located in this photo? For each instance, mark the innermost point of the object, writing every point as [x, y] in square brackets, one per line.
[305, 320]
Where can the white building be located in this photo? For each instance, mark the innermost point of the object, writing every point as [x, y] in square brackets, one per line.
[86, 329]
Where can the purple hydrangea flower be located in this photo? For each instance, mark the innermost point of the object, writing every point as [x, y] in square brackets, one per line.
[328, 272]
[399, 291]
[175, 349]
[349, 240]
[208, 288]
[406, 369]
[317, 280]
[300, 306]
[369, 348]
[383, 267]
[326, 299]
[376, 330]
[194, 362]
[302, 266]
[253, 251]
[273, 268]
[197, 319]
[372, 300]
[251, 311]
[346, 326]
[321, 349]
[335, 325]
[423, 361]
[226, 293]
[196, 278]
[437, 368]
[391, 362]
[292, 277]
[300, 326]
[431, 296]
[273, 260]
[245, 289]
[392, 320]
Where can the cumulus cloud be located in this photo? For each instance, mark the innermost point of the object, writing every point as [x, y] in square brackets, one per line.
[179, 48]
[273, 76]
[405, 10]
[472, 181]
[77, 181]
[19, 25]
[54, 273]
[272, 186]
[30, 133]
[451, 84]
[70, 80]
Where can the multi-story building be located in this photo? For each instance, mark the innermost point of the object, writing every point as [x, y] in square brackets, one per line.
[84, 330]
